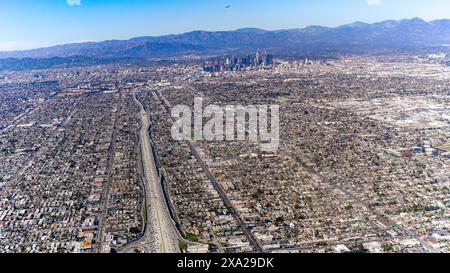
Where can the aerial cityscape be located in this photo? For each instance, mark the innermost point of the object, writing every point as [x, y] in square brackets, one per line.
[356, 158]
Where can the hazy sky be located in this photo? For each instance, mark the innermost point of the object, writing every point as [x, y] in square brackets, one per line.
[28, 24]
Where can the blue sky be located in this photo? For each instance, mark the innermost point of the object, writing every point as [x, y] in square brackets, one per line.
[28, 24]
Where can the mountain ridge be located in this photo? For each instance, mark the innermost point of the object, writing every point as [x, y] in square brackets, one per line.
[414, 32]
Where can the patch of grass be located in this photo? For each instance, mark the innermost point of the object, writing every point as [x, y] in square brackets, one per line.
[135, 230]
[183, 246]
[191, 237]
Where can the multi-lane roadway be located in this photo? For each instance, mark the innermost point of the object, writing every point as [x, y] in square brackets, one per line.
[160, 232]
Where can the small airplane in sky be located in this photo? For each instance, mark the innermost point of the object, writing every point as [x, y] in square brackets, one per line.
[227, 7]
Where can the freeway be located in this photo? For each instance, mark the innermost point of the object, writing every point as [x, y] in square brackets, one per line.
[160, 232]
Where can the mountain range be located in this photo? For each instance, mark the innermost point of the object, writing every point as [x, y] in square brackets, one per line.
[358, 36]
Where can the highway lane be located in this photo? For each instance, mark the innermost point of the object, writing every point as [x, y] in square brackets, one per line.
[160, 231]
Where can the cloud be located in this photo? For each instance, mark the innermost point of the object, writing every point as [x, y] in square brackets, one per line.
[373, 2]
[74, 2]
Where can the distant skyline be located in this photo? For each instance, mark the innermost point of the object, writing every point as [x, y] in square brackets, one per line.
[27, 24]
